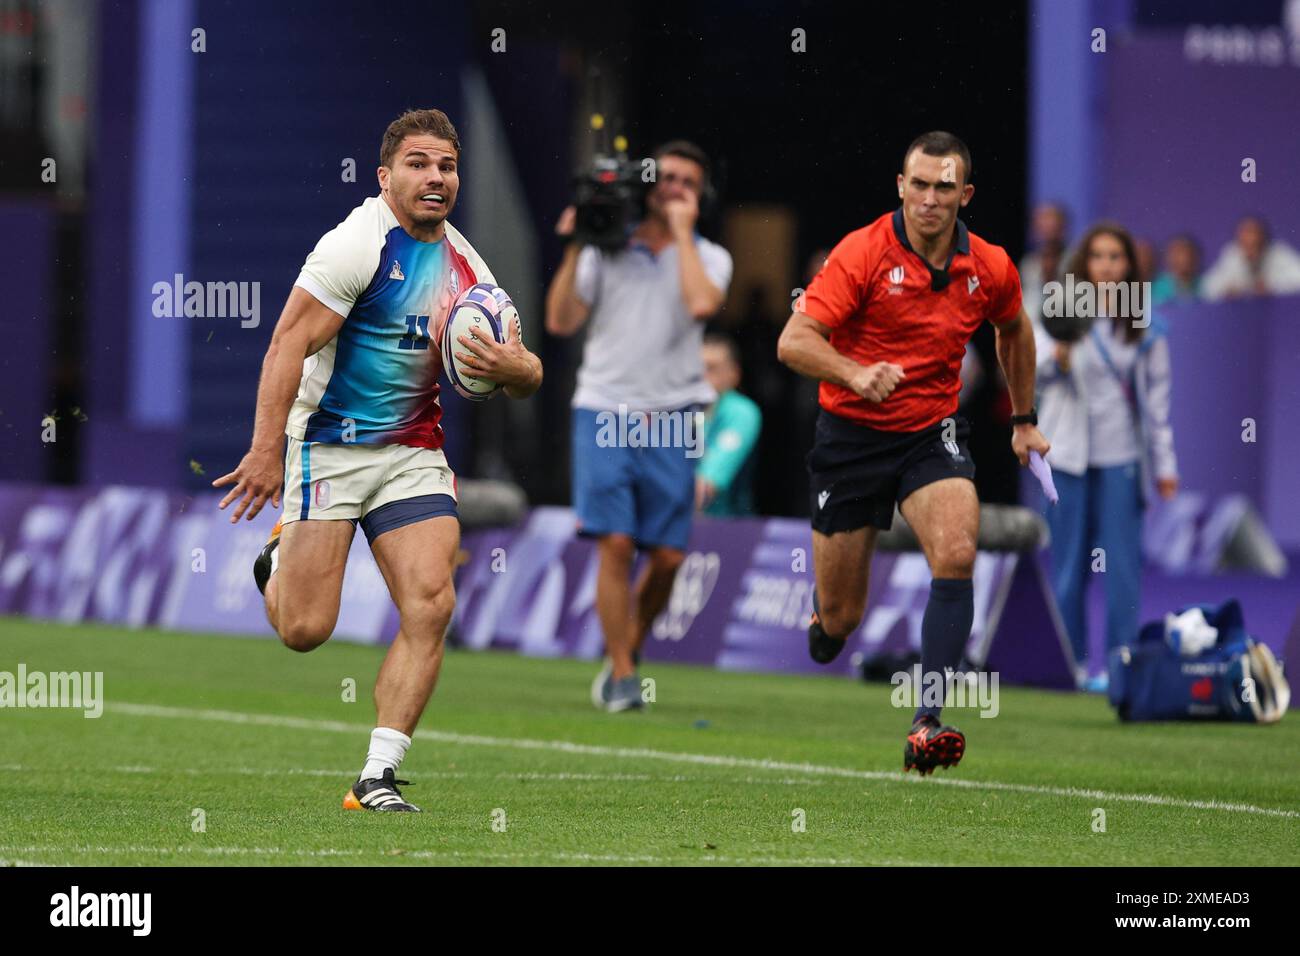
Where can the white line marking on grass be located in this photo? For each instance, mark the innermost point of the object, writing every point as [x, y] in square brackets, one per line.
[395, 853]
[637, 777]
[710, 760]
[521, 775]
[350, 774]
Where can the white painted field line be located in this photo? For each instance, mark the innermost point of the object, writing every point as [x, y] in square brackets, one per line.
[712, 760]
[542, 855]
[434, 775]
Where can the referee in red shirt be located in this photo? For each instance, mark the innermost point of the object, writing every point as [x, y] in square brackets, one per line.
[884, 326]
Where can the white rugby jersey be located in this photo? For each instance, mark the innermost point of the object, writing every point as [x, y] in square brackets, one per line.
[379, 374]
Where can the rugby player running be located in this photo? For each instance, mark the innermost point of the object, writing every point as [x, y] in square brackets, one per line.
[348, 419]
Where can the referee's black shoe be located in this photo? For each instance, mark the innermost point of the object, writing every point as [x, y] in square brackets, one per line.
[931, 744]
[821, 646]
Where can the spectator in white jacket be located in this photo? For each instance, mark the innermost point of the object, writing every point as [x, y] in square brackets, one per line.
[1254, 263]
[1105, 401]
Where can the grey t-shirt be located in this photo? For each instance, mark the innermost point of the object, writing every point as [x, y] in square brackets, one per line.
[643, 347]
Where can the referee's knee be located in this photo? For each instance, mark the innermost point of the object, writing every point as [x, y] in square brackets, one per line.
[955, 559]
[840, 617]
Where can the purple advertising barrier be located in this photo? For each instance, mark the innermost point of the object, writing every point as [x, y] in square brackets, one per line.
[742, 600]
[1022, 627]
[1291, 650]
[71, 556]
[143, 557]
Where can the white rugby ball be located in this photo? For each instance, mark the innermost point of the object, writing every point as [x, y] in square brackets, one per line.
[488, 309]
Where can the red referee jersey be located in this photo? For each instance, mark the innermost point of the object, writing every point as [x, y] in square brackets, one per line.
[875, 294]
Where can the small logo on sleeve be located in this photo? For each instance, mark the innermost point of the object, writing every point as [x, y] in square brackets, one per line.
[972, 284]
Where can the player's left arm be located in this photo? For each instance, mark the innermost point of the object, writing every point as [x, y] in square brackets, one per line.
[1018, 358]
[507, 363]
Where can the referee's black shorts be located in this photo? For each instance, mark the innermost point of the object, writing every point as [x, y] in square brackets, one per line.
[857, 473]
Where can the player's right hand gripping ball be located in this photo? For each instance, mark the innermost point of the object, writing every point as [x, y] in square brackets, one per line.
[488, 309]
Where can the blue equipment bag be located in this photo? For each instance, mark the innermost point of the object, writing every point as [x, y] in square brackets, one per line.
[1236, 679]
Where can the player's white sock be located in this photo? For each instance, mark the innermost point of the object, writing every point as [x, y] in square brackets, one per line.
[387, 748]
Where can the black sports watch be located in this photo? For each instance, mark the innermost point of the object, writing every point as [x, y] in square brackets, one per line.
[1030, 419]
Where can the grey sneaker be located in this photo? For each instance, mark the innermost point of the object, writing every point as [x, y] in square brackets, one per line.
[624, 694]
[601, 686]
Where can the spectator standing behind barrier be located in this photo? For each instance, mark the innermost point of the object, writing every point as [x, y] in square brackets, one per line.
[641, 377]
[724, 479]
[1181, 278]
[1047, 233]
[1145, 256]
[1105, 402]
[1253, 263]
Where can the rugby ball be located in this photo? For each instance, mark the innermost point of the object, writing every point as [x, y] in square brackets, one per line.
[488, 309]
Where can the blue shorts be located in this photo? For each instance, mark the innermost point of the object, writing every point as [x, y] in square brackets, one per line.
[646, 491]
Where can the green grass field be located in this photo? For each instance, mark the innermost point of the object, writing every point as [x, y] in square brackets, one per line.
[260, 740]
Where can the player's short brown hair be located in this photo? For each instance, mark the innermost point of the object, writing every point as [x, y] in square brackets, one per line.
[939, 143]
[433, 122]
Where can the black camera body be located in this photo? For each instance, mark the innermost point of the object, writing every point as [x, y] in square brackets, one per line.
[610, 200]
[1068, 328]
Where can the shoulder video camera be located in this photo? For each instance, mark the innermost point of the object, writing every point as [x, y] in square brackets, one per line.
[609, 198]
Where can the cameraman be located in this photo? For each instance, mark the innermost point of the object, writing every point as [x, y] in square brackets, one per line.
[646, 303]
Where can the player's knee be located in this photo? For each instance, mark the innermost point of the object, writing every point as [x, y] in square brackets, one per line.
[305, 634]
[840, 617]
[955, 559]
[443, 606]
[427, 614]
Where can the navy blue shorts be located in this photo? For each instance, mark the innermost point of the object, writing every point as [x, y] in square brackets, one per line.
[398, 514]
[641, 490]
[857, 473]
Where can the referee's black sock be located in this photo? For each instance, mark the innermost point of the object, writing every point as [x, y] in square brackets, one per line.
[945, 629]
